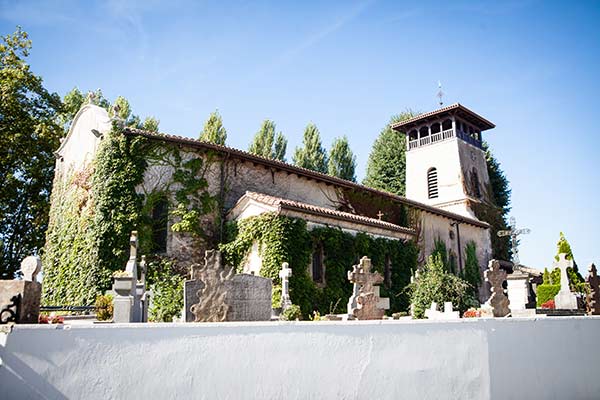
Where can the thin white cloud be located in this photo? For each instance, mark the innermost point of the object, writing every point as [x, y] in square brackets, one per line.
[319, 35]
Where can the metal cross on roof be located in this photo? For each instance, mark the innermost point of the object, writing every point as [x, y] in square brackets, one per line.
[514, 233]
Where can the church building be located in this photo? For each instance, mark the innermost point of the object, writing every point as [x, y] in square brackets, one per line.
[446, 183]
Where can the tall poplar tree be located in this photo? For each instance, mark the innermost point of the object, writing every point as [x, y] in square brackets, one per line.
[386, 168]
[29, 134]
[342, 161]
[311, 155]
[267, 144]
[213, 131]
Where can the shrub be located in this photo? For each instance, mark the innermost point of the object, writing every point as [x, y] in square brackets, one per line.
[546, 292]
[292, 313]
[436, 285]
[166, 282]
[104, 307]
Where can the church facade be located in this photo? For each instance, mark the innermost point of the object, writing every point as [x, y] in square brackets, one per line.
[215, 185]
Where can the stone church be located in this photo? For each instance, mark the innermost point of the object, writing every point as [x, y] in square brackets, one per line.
[446, 181]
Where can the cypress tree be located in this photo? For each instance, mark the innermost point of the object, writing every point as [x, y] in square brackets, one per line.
[311, 155]
[386, 169]
[213, 131]
[267, 144]
[342, 162]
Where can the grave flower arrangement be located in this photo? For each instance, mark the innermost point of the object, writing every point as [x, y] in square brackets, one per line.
[472, 313]
[550, 305]
[50, 319]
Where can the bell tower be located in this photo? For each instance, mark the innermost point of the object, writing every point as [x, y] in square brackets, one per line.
[445, 160]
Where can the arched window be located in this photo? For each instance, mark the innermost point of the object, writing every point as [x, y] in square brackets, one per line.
[432, 183]
[160, 221]
[317, 267]
[475, 188]
[387, 272]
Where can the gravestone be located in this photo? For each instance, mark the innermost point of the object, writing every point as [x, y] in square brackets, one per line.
[518, 290]
[368, 303]
[593, 281]
[285, 274]
[449, 313]
[248, 298]
[130, 303]
[564, 300]
[215, 294]
[497, 304]
[20, 299]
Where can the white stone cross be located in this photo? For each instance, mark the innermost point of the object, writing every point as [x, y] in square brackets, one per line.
[30, 267]
[513, 232]
[285, 274]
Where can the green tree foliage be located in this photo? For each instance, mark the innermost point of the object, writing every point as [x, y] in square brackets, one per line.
[546, 292]
[72, 102]
[75, 99]
[150, 124]
[29, 134]
[472, 271]
[213, 131]
[268, 144]
[311, 155]
[342, 162]
[500, 197]
[166, 282]
[386, 168]
[434, 284]
[576, 281]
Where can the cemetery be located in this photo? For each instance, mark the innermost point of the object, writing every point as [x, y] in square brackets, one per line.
[317, 290]
[138, 263]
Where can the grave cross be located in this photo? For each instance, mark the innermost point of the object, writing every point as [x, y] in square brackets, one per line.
[285, 274]
[513, 232]
[362, 275]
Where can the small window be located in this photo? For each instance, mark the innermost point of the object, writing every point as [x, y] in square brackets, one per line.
[432, 183]
[317, 265]
[160, 220]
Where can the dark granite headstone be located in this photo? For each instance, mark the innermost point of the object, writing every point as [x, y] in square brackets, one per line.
[191, 288]
[248, 298]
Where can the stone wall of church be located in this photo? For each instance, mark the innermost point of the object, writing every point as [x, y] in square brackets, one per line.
[435, 227]
[232, 178]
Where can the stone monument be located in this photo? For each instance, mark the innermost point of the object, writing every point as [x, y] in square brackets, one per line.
[497, 304]
[593, 280]
[285, 274]
[564, 300]
[449, 313]
[216, 294]
[130, 303]
[20, 299]
[368, 303]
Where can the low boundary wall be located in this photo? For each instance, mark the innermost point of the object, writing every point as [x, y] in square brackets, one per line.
[542, 358]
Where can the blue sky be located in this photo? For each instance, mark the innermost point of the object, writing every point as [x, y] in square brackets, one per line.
[528, 66]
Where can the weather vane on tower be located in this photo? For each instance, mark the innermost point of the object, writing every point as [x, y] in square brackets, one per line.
[440, 94]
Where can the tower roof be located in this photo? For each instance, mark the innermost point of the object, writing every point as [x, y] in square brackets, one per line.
[454, 109]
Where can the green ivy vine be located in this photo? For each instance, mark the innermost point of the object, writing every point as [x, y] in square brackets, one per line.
[287, 239]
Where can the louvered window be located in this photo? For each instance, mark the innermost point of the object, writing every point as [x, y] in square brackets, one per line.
[432, 183]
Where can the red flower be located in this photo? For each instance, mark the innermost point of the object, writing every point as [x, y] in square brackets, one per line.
[549, 305]
[472, 313]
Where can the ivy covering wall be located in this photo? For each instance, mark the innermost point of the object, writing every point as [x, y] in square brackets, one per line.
[283, 239]
[93, 213]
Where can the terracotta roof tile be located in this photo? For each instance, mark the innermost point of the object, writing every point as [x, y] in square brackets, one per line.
[484, 123]
[326, 212]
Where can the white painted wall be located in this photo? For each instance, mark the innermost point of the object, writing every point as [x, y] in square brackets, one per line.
[464, 359]
[79, 146]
